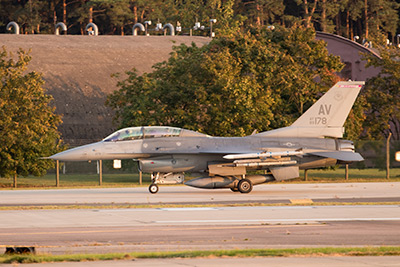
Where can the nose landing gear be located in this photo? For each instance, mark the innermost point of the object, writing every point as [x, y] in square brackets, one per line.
[153, 188]
[165, 178]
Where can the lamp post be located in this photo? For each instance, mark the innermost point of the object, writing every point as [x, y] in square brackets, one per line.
[397, 156]
[147, 22]
[159, 26]
[356, 38]
[212, 34]
[398, 36]
[178, 27]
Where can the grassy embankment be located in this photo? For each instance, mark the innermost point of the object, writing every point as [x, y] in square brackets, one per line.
[300, 252]
[131, 180]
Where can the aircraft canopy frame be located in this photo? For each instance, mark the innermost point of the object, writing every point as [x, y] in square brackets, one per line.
[146, 132]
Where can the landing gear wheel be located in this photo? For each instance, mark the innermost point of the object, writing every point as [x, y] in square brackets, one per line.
[153, 188]
[245, 186]
[234, 189]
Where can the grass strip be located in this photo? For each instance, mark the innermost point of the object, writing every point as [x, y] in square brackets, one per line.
[319, 252]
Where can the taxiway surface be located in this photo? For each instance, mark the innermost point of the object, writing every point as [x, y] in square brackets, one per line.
[164, 229]
[266, 193]
[102, 230]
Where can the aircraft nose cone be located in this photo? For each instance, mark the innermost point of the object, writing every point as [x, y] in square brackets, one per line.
[70, 155]
[81, 153]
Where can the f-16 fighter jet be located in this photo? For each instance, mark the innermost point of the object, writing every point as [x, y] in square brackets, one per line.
[312, 141]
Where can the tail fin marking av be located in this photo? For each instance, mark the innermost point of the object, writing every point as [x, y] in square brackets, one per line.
[326, 117]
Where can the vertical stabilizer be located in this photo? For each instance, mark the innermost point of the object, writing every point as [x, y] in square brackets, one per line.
[326, 117]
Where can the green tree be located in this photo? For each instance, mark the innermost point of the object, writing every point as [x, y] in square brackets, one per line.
[260, 80]
[344, 17]
[28, 125]
[382, 95]
[298, 61]
[329, 15]
[195, 89]
[262, 12]
[31, 16]
[353, 11]
[309, 8]
[383, 16]
[120, 15]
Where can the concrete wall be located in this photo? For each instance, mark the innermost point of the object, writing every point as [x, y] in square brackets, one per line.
[77, 71]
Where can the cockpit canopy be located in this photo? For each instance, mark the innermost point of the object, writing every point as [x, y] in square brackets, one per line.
[145, 132]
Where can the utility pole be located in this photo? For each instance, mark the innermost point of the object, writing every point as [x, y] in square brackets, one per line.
[65, 12]
[57, 173]
[100, 172]
[90, 14]
[388, 156]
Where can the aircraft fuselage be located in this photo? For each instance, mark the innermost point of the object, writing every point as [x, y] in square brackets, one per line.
[312, 141]
[193, 154]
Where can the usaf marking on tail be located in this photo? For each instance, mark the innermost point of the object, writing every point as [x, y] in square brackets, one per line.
[312, 141]
[324, 111]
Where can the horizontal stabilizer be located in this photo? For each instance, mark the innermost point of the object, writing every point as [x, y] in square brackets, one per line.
[339, 155]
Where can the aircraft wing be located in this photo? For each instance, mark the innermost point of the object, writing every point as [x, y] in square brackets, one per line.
[339, 155]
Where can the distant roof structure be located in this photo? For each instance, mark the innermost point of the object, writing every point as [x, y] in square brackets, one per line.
[350, 54]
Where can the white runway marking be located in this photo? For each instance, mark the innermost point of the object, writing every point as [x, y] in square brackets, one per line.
[188, 209]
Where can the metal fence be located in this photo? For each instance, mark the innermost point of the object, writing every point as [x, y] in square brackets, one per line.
[375, 154]
[93, 167]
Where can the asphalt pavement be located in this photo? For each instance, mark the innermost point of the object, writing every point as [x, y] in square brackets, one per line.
[265, 193]
[165, 228]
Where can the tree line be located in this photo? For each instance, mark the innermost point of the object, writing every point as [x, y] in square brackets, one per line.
[348, 18]
[259, 79]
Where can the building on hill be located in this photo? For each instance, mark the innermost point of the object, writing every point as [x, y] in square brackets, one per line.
[350, 53]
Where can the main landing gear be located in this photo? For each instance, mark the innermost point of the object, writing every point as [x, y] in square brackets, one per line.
[244, 186]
